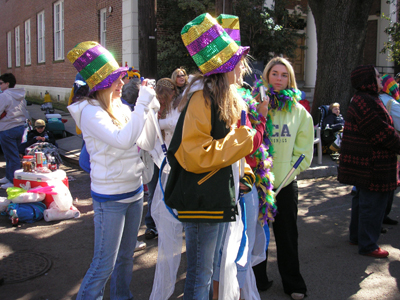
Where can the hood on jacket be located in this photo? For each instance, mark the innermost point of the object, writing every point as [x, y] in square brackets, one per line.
[363, 79]
[76, 111]
[16, 94]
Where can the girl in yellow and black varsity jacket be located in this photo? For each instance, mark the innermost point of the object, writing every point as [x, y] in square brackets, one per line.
[204, 153]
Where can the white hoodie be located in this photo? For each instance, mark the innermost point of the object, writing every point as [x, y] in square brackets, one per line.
[12, 101]
[116, 167]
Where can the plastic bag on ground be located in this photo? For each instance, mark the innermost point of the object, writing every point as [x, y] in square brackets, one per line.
[63, 199]
[28, 197]
[4, 202]
[55, 214]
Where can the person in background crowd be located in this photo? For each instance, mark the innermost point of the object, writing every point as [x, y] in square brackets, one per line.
[204, 154]
[13, 117]
[291, 135]
[334, 119]
[368, 160]
[112, 133]
[40, 134]
[390, 97]
[305, 102]
[180, 78]
[130, 93]
[397, 78]
[166, 92]
[334, 122]
[169, 229]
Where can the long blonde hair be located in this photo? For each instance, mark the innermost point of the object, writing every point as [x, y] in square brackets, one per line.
[175, 75]
[114, 108]
[217, 91]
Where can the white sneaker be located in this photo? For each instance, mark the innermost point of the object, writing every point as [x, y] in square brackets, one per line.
[297, 296]
[140, 246]
[7, 185]
[4, 180]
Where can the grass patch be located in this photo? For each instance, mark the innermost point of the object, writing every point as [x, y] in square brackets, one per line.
[57, 105]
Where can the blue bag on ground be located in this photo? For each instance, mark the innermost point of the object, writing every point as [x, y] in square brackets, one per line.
[26, 212]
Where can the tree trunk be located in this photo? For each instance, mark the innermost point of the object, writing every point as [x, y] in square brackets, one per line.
[147, 38]
[341, 30]
[223, 7]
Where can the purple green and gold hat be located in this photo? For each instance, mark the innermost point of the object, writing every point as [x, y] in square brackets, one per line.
[211, 47]
[231, 25]
[96, 65]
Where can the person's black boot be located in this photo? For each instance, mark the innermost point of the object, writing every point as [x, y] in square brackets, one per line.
[390, 221]
[260, 272]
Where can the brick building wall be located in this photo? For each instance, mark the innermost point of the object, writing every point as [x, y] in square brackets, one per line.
[81, 23]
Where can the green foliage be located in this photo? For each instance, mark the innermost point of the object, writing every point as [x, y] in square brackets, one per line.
[392, 47]
[268, 31]
[175, 14]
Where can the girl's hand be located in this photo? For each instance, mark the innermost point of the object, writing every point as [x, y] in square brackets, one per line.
[262, 107]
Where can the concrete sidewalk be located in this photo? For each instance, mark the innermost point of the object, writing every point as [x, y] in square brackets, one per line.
[70, 147]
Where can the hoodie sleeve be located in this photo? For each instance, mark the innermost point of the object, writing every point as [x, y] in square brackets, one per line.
[4, 103]
[147, 139]
[97, 123]
[304, 143]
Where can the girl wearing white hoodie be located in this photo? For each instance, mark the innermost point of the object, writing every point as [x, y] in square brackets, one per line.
[112, 134]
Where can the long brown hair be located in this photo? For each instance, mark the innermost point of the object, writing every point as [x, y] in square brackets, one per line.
[166, 91]
[217, 91]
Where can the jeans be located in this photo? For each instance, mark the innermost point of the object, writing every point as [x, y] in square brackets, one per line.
[10, 141]
[389, 204]
[116, 227]
[201, 241]
[251, 200]
[148, 220]
[367, 212]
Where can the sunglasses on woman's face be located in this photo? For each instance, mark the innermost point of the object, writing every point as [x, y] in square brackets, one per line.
[179, 76]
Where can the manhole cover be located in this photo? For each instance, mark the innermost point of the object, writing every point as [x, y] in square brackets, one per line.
[21, 266]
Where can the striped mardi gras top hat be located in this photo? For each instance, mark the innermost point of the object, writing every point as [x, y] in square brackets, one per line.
[390, 87]
[230, 24]
[96, 64]
[211, 47]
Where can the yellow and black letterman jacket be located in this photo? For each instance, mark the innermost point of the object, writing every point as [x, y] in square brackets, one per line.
[201, 184]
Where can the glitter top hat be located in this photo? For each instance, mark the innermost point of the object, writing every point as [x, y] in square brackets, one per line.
[230, 24]
[95, 64]
[211, 47]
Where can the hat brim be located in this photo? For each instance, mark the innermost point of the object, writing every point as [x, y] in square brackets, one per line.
[232, 62]
[108, 81]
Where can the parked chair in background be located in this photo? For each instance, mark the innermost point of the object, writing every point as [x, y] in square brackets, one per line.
[318, 141]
